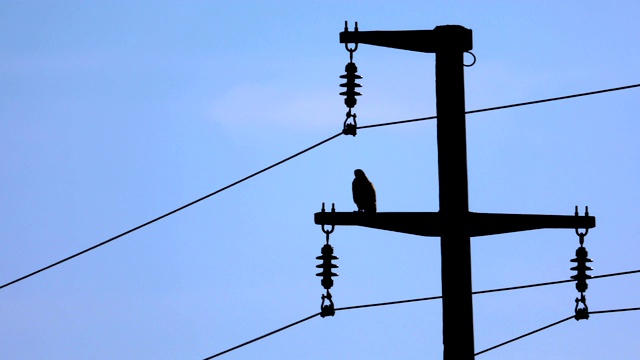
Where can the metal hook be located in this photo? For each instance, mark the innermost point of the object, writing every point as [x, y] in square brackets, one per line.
[333, 227]
[474, 60]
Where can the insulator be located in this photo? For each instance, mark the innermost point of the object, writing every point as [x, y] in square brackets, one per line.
[326, 266]
[581, 267]
[350, 85]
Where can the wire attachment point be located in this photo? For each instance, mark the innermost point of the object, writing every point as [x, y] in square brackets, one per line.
[349, 128]
[583, 312]
[329, 309]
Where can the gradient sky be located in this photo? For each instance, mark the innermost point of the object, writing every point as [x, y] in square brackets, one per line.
[113, 113]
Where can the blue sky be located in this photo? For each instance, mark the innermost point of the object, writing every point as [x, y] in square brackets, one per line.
[113, 113]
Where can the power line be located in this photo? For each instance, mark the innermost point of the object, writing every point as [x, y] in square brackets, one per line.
[479, 292]
[613, 311]
[413, 300]
[616, 274]
[553, 282]
[314, 315]
[507, 106]
[440, 297]
[291, 157]
[263, 336]
[388, 303]
[170, 212]
[554, 324]
[422, 299]
[476, 292]
[398, 122]
[525, 335]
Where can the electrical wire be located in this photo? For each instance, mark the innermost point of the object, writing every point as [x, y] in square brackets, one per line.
[170, 212]
[476, 292]
[553, 324]
[388, 303]
[554, 282]
[479, 292]
[430, 298]
[525, 335]
[613, 311]
[413, 300]
[263, 336]
[312, 316]
[507, 106]
[615, 274]
[291, 157]
[440, 297]
[487, 291]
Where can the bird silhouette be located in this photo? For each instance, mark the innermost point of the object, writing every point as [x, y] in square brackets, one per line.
[364, 194]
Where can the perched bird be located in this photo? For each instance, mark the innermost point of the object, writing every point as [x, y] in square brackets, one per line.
[364, 194]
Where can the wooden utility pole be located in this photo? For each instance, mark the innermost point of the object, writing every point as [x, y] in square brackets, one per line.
[455, 244]
[454, 223]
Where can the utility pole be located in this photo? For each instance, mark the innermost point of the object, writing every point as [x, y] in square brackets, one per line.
[453, 223]
[455, 244]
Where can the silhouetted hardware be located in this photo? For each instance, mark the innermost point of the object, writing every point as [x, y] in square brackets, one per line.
[435, 223]
[583, 312]
[453, 223]
[350, 128]
[327, 266]
[441, 38]
[329, 309]
[581, 267]
[350, 92]
[581, 260]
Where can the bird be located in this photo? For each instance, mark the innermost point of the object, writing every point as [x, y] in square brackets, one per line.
[364, 194]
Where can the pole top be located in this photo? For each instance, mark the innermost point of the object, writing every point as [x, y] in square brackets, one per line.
[441, 38]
